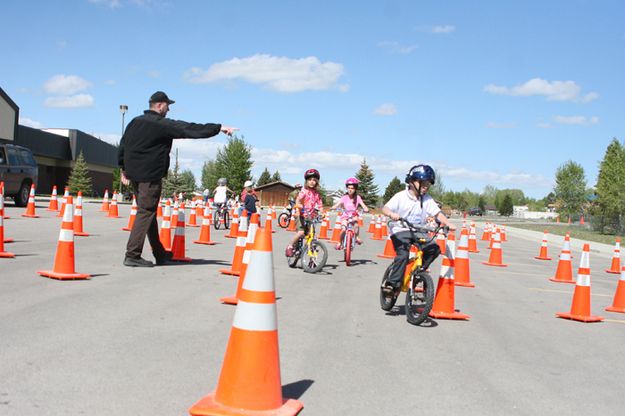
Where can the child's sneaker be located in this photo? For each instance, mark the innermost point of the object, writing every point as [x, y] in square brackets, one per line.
[358, 241]
[338, 246]
[289, 251]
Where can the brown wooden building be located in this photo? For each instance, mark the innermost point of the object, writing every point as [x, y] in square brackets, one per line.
[274, 193]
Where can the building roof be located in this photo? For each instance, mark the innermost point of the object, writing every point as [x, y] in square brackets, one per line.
[272, 184]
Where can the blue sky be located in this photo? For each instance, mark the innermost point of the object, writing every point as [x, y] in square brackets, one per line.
[488, 92]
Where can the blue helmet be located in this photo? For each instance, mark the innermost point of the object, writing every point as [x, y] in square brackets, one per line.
[421, 173]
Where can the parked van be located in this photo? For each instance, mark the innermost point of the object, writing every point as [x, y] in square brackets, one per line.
[18, 170]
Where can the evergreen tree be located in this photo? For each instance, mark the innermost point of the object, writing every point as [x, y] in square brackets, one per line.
[394, 186]
[79, 179]
[481, 203]
[570, 189]
[276, 177]
[209, 175]
[116, 179]
[187, 182]
[172, 183]
[367, 189]
[610, 189]
[234, 162]
[264, 178]
[437, 190]
[506, 207]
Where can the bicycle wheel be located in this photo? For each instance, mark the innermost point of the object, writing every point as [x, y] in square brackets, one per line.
[283, 220]
[387, 301]
[419, 298]
[314, 257]
[292, 261]
[216, 221]
[347, 248]
[226, 220]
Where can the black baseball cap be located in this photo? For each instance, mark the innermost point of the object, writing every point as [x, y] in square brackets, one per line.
[160, 97]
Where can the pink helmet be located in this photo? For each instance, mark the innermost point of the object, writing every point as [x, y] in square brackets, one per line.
[352, 181]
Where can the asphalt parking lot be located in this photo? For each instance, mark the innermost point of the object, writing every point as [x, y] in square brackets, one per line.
[151, 341]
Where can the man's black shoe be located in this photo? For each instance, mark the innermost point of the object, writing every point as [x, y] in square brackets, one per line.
[138, 262]
[164, 259]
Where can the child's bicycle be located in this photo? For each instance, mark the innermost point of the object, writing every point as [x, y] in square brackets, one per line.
[309, 249]
[349, 237]
[222, 214]
[417, 282]
[285, 218]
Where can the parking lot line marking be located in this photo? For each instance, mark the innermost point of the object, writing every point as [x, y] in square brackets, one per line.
[618, 321]
[564, 291]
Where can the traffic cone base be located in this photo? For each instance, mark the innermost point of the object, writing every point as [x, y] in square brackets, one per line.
[208, 406]
[7, 255]
[450, 315]
[182, 259]
[581, 318]
[229, 300]
[208, 243]
[63, 276]
[612, 271]
[81, 234]
[30, 215]
[553, 279]
[543, 258]
[618, 305]
[609, 308]
[498, 265]
[8, 240]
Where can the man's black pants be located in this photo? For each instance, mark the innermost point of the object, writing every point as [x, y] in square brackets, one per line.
[402, 242]
[148, 197]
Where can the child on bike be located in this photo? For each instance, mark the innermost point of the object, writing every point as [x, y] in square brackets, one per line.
[414, 205]
[309, 201]
[350, 203]
[220, 195]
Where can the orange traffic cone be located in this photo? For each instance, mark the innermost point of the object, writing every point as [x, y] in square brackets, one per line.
[377, 234]
[165, 234]
[372, 225]
[193, 216]
[581, 220]
[199, 209]
[234, 226]
[543, 249]
[441, 241]
[444, 300]
[249, 383]
[239, 248]
[564, 272]
[205, 231]
[30, 208]
[249, 246]
[64, 260]
[616, 259]
[178, 246]
[360, 221]
[486, 233]
[618, 305]
[336, 231]
[63, 202]
[133, 214]
[384, 228]
[472, 239]
[268, 220]
[78, 224]
[54, 203]
[323, 230]
[3, 254]
[389, 250]
[580, 308]
[159, 209]
[496, 254]
[461, 263]
[174, 213]
[105, 202]
[504, 234]
[4, 217]
[113, 209]
[292, 223]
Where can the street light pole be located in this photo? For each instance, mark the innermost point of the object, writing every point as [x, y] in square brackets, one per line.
[122, 108]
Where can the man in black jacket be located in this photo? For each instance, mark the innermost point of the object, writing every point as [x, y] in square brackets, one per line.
[144, 160]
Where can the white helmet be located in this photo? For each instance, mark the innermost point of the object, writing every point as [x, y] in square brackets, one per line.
[247, 184]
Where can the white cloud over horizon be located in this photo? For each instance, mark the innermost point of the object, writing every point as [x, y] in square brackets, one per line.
[25, 121]
[386, 109]
[66, 84]
[551, 90]
[396, 47]
[71, 101]
[276, 73]
[576, 120]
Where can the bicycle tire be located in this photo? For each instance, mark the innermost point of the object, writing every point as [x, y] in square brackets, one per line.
[419, 303]
[283, 220]
[216, 221]
[347, 252]
[226, 220]
[314, 263]
[386, 302]
[292, 261]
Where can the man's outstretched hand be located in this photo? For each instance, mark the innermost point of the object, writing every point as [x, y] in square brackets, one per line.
[228, 130]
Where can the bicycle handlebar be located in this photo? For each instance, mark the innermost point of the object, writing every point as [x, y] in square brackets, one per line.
[419, 228]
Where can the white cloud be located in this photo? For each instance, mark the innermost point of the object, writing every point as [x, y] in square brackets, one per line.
[25, 121]
[111, 138]
[113, 4]
[71, 101]
[110, 82]
[386, 109]
[443, 29]
[276, 73]
[553, 91]
[544, 125]
[65, 84]
[576, 120]
[396, 47]
[495, 125]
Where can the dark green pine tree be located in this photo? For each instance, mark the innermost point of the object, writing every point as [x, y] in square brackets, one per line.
[264, 178]
[610, 189]
[276, 177]
[172, 183]
[187, 182]
[234, 162]
[79, 179]
[394, 186]
[506, 207]
[209, 175]
[367, 189]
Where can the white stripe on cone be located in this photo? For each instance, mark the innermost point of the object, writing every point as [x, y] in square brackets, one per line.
[255, 316]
